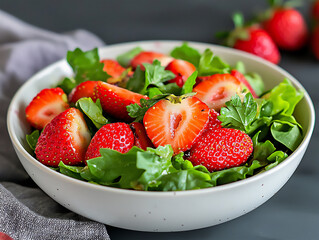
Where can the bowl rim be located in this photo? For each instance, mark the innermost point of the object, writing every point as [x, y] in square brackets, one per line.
[34, 161]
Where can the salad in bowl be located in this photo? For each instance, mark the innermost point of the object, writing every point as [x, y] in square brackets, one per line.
[151, 121]
[161, 135]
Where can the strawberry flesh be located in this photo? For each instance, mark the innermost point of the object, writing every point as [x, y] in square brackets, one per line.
[64, 139]
[45, 106]
[141, 139]
[117, 136]
[85, 89]
[221, 148]
[182, 70]
[177, 123]
[115, 99]
[217, 89]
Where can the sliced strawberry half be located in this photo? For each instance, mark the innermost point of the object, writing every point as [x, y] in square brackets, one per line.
[149, 57]
[141, 139]
[85, 89]
[243, 80]
[218, 89]
[115, 70]
[45, 106]
[117, 136]
[182, 70]
[115, 99]
[176, 121]
[65, 139]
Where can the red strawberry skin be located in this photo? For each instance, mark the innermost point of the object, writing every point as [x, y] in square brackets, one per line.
[182, 70]
[176, 123]
[243, 80]
[213, 121]
[149, 57]
[287, 28]
[85, 89]
[64, 139]
[115, 99]
[315, 42]
[117, 136]
[112, 67]
[141, 139]
[217, 89]
[259, 43]
[221, 148]
[315, 10]
[45, 106]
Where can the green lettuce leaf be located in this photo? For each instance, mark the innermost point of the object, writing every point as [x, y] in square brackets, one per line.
[67, 84]
[284, 98]
[32, 139]
[238, 114]
[71, 171]
[125, 58]
[93, 110]
[276, 158]
[187, 53]
[86, 65]
[189, 84]
[137, 81]
[210, 64]
[155, 75]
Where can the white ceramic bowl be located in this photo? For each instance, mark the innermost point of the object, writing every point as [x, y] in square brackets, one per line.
[157, 211]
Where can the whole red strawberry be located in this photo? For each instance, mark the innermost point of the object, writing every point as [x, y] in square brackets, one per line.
[315, 42]
[47, 104]
[287, 28]
[253, 39]
[117, 136]
[64, 139]
[221, 148]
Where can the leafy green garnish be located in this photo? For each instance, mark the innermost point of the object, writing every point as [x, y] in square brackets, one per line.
[71, 171]
[138, 111]
[125, 58]
[67, 84]
[155, 75]
[32, 139]
[238, 114]
[93, 110]
[187, 53]
[137, 82]
[210, 64]
[284, 98]
[86, 65]
[189, 84]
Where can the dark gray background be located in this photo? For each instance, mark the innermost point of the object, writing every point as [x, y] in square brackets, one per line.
[293, 213]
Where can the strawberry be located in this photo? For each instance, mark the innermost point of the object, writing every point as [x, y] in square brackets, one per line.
[141, 139]
[149, 57]
[117, 136]
[217, 89]
[45, 106]
[315, 42]
[287, 28]
[252, 39]
[182, 70]
[315, 10]
[243, 80]
[115, 99]
[177, 121]
[85, 89]
[221, 148]
[115, 70]
[64, 139]
[213, 121]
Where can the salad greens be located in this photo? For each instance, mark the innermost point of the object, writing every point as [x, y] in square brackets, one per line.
[268, 120]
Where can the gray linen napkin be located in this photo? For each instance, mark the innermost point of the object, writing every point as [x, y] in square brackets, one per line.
[25, 211]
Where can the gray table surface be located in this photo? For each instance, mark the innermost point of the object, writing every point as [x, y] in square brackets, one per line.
[293, 213]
